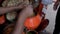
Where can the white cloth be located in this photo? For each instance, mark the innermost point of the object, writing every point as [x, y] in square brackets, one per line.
[46, 2]
[44, 9]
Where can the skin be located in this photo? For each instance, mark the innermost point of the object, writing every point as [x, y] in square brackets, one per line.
[6, 10]
[56, 4]
[9, 9]
[26, 12]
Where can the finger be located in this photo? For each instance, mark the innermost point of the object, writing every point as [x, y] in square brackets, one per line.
[54, 8]
[22, 5]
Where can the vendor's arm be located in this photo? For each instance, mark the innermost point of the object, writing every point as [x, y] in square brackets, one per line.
[9, 9]
[26, 12]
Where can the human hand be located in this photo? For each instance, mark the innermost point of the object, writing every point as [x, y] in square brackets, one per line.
[55, 5]
[21, 5]
[28, 10]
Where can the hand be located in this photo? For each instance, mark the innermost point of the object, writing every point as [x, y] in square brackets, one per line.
[55, 5]
[22, 5]
[28, 10]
